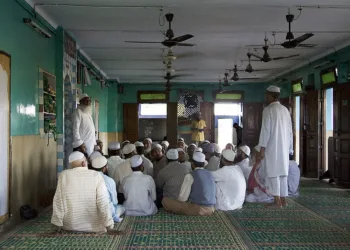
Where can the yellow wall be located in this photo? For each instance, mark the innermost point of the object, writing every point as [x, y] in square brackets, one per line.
[33, 171]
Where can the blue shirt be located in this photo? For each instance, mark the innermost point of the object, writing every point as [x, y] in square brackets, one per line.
[112, 192]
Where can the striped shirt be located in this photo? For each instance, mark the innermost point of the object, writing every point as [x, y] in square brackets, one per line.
[81, 201]
[170, 179]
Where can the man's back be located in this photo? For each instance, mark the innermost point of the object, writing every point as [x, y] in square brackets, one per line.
[213, 164]
[158, 166]
[171, 178]
[140, 194]
[81, 202]
[122, 170]
[113, 162]
[230, 187]
[148, 166]
[277, 136]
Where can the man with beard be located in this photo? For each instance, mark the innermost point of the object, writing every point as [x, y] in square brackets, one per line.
[242, 160]
[147, 164]
[147, 142]
[83, 125]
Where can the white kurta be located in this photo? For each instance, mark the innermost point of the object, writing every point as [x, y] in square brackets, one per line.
[276, 137]
[148, 166]
[230, 188]
[84, 129]
[81, 201]
[113, 162]
[293, 179]
[140, 194]
[246, 169]
[122, 170]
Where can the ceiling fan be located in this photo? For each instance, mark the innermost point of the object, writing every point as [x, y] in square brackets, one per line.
[249, 68]
[266, 57]
[236, 78]
[171, 41]
[295, 42]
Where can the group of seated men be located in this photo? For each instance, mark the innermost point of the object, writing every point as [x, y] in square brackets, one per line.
[137, 179]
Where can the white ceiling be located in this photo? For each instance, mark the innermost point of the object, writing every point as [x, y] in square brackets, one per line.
[221, 29]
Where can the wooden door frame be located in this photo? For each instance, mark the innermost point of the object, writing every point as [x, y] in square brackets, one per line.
[9, 139]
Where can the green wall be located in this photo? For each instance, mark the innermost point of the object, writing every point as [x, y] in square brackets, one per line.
[28, 51]
[114, 110]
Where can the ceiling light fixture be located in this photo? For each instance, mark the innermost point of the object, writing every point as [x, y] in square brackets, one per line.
[37, 27]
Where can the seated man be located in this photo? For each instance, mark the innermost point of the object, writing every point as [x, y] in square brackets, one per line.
[242, 160]
[80, 147]
[182, 157]
[114, 157]
[165, 145]
[123, 170]
[81, 201]
[230, 183]
[257, 187]
[198, 188]
[190, 151]
[181, 144]
[212, 157]
[170, 178]
[147, 142]
[293, 177]
[139, 191]
[99, 164]
[147, 164]
[159, 160]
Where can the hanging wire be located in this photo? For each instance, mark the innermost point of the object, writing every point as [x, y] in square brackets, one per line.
[300, 9]
[161, 19]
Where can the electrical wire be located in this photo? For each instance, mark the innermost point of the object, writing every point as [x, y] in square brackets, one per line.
[161, 16]
[300, 9]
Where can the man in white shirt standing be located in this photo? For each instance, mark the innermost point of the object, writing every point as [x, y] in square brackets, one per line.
[139, 191]
[198, 188]
[147, 164]
[114, 157]
[230, 183]
[276, 141]
[242, 160]
[81, 201]
[83, 125]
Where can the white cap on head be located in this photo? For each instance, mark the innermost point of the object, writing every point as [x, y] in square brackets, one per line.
[129, 148]
[165, 143]
[139, 144]
[199, 150]
[180, 150]
[217, 148]
[76, 156]
[273, 89]
[181, 139]
[172, 154]
[245, 150]
[228, 155]
[77, 144]
[82, 96]
[99, 162]
[206, 141]
[125, 142]
[156, 146]
[148, 139]
[257, 148]
[198, 157]
[192, 144]
[136, 161]
[94, 155]
[114, 146]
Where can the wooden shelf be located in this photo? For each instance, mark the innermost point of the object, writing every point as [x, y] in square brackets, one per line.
[47, 93]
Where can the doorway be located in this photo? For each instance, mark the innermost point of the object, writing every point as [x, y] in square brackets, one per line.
[226, 114]
[152, 121]
[328, 124]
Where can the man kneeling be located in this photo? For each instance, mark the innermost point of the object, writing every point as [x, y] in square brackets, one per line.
[81, 201]
[198, 188]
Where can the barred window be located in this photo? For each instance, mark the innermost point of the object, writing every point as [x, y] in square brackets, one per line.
[188, 105]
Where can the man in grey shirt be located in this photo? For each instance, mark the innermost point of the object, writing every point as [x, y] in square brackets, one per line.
[171, 177]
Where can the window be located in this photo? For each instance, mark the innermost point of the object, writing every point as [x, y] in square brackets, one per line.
[232, 96]
[152, 110]
[228, 109]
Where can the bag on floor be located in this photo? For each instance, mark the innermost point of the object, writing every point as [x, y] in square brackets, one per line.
[28, 213]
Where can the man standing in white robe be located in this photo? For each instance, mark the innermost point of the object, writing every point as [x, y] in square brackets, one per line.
[276, 141]
[83, 125]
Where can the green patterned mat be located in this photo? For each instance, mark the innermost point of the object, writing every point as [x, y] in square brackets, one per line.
[294, 227]
[326, 200]
[162, 231]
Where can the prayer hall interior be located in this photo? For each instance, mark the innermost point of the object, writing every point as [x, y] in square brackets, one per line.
[162, 124]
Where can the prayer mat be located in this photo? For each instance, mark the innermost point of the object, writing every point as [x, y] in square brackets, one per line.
[327, 200]
[294, 227]
[161, 231]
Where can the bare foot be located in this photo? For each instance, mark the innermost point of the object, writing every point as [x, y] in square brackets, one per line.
[284, 202]
[273, 205]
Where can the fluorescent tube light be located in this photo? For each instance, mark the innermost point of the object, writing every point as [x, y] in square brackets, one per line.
[37, 27]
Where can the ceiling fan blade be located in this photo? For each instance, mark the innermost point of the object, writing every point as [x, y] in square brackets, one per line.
[139, 42]
[186, 44]
[285, 57]
[183, 38]
[180, 75]
[306, 45]
[256, 56]
[295, 42]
